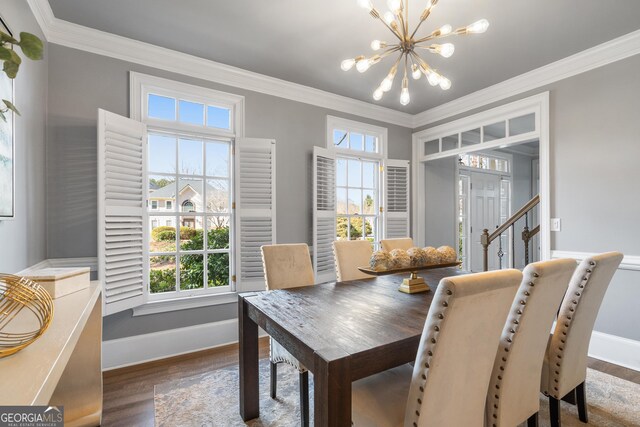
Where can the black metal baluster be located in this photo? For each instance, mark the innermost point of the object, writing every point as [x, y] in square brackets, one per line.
[513, 245]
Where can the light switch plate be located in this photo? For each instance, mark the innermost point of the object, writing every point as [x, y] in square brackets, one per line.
[555, 224]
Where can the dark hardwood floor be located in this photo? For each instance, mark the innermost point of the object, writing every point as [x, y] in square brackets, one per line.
[128, 392]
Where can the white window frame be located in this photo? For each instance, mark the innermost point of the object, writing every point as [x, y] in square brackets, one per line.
[381, 133]
[141, 85]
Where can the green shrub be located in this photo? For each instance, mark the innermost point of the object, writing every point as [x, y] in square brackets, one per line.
[187, 233]
[163, 233]
[162, 280]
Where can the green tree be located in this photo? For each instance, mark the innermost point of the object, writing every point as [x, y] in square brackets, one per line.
[355, 228]
[159, 183]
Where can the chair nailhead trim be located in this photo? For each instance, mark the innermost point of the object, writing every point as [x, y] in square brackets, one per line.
[426, 359]
[508, 341]
[567, 323]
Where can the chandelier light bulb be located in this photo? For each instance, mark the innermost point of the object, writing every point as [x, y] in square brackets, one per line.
[445, 29]
[478, 27]
[388, 17]
[446, 50]
[433, 78]
[415, 72]
[445, 83]
[348, 64]
[377, 45]
[404, 93]
[363, 65]
[365, 4]
[377, 94]
[394, 5]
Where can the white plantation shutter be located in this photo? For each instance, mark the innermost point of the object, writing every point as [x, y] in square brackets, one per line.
[121, 212]
[255, 204]
[396, 191]
[324, 213]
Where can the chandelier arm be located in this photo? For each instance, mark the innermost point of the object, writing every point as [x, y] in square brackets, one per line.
[406, 20]
[402, 24]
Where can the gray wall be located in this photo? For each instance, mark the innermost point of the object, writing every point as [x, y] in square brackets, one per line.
[23, 239]
[440, 214]
[594, 151]
[81, 82]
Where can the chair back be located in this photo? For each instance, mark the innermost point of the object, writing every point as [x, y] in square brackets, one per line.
[404, 243]
[568, 347]
[514, 390]
[287, 266]
[457, 349]
[349, 255]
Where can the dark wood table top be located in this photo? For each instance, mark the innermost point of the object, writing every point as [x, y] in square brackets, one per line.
[357, 319]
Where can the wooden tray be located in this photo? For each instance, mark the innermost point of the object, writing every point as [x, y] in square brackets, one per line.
[408, 269]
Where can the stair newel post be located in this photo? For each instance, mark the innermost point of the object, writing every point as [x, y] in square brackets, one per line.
[484, 241]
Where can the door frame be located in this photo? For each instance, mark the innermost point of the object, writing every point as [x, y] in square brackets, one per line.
[538, 105]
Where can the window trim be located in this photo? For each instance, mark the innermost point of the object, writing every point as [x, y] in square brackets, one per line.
[380, 157]
[140, 86]
[381, 133]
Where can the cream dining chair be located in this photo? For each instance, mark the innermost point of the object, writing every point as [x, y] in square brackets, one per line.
[288, 266]
[404, 243]
[349, 255]
[447, 386]
[565, 365]
[514, 394]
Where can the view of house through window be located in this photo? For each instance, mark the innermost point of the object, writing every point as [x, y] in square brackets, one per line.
[189, 199]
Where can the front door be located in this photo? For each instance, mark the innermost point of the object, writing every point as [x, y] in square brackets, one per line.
[485, 213]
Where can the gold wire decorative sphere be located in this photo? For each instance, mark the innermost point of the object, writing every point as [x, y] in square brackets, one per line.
[26, 311]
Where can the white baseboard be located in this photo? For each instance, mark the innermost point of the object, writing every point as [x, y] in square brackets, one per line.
[138, 349]
[616, 350]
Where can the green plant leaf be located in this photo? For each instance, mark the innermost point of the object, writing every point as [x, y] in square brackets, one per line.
[15, 57]
[31, 46]
[10, 69]
[3, 117]
[5, 54]
[4, 37]
[10, 106]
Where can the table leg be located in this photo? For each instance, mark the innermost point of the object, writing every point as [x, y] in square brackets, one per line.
[249, 369]
[332, 389]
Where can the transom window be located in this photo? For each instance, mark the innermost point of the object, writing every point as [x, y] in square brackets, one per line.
[482, 161]
[189, 112]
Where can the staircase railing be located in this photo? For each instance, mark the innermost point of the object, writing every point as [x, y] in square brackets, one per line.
[486, 239]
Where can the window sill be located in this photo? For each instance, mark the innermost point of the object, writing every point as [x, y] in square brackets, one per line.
[185, 303]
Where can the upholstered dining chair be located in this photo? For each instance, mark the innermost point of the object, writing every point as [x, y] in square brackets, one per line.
[391, 244]
[565, 365]
[288, 266]
[447, 386]
[349, 255]
[514, 395]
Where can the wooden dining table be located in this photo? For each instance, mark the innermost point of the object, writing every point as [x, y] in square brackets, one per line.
[340, 331]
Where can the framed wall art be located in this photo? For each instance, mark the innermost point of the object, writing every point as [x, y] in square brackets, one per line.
[7, 146]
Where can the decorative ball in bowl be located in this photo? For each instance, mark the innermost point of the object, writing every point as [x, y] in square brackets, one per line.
[26, 310]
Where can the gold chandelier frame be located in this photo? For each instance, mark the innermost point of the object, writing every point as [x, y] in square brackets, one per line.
[397, 21]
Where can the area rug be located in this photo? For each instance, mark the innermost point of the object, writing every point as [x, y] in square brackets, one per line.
[211, 399]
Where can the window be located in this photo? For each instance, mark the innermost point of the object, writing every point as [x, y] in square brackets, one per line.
[481, 161]
[358, 194]
[190, 138]
[358, 160]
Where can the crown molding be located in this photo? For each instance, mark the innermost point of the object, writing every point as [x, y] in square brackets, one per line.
[589, 59]
[79, 37]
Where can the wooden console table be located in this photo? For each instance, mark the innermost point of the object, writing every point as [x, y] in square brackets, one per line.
[64, 366]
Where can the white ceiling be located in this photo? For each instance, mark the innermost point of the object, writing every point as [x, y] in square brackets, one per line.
[304, 41]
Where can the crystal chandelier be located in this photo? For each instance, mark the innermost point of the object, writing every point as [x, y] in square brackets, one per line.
[397, 21]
